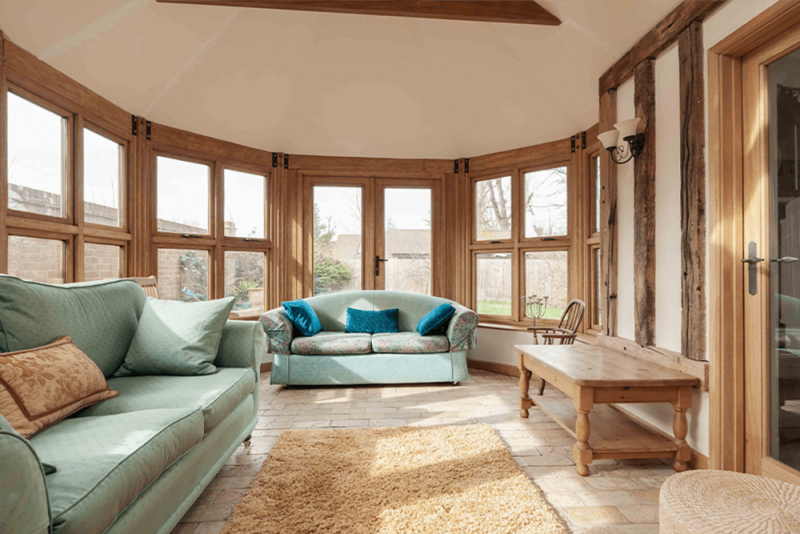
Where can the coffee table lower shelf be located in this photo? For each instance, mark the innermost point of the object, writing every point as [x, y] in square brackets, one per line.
[613, 435]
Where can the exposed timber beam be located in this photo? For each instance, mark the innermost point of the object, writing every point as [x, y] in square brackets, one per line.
[516, 12]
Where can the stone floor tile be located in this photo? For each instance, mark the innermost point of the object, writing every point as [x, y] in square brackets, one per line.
[210, 528]
[649, 496]
[184, 528]
[607, 498]
[595, 515]
[643, 513]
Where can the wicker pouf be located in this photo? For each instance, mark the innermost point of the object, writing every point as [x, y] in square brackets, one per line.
[709, 502]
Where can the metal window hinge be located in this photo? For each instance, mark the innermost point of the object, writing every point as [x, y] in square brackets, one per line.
[134, 125]
[455, 166]
[274, 159]
[286, 161]
[192, 236]
[583, 140]
[572, 144]
[251, 240]
[147, 130]
[466, 165]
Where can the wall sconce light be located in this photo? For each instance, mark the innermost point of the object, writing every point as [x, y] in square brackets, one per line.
[632, 143]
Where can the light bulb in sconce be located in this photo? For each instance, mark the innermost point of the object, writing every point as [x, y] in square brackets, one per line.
[609, 139]
[623, 143]
[627, 128]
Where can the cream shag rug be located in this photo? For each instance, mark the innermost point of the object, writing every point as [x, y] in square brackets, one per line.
[455, 479]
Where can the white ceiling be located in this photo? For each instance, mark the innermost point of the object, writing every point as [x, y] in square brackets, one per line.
[339, 85]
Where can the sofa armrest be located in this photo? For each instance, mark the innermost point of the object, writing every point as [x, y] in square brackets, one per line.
[279, 330]
[462, 333]
[24, 503]
[242, 345]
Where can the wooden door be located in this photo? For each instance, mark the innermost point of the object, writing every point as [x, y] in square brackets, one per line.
[407, 230]
[771, 242]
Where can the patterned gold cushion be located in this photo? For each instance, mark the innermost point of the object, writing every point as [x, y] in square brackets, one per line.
[39, 387]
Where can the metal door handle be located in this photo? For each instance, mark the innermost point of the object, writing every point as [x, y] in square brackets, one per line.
[378, 261]
[753, 260]
[786, 259]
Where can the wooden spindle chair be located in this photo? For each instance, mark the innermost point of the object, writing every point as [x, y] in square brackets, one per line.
[565, 333]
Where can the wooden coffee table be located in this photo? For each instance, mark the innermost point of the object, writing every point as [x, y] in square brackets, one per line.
[595, 377]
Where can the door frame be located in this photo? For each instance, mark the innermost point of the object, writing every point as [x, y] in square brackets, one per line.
[729, 400]
[437, 230]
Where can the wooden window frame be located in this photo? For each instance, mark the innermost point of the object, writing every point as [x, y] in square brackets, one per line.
[211, 222]
[215, 242]
[513, 174]
[124, 181]
[69, 195]
[124, 250]
[518, 244]
[567, 238]
[66, 238]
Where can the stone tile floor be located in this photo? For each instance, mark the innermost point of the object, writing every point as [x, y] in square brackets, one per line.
[619, 497]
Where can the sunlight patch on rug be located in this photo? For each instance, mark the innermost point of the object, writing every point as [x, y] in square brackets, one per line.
[426, 480]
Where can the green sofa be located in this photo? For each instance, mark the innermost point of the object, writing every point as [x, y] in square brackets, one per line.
[333, 357]
[134, 463]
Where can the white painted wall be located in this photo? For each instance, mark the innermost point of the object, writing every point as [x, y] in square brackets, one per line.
[668, 202]
[626, 325]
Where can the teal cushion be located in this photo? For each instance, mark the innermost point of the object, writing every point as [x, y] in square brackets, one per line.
[104, 463]
[436, 320]
[216, 395]
[303, 317]
[371, 322]
[100, 317]
[177, 338]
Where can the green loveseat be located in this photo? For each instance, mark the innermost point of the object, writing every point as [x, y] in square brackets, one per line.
[335, 357]
[134, 463]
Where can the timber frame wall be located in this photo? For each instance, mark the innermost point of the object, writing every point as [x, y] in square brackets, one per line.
[287, 243]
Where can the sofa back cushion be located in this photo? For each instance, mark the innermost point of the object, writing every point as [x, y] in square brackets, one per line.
[332, 309]
[100, 317]
[412, 307]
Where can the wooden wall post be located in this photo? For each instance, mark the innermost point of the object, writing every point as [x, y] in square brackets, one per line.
[608, 219]
[3, 162]
[644, 205]
[693, 192]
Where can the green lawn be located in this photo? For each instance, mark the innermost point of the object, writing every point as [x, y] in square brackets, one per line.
[500, 307]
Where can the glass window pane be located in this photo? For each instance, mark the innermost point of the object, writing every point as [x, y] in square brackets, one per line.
[102, 262]
[102, 183]
[245, 199]
[183, 274]
[37, 259]
[546, 276]
[407, 243]
[546, 203]
[598, 288]
[183, 206]
[337, 239]
[493, 209]
[37, 139]
[493, 276]
[244, 280]
[597, 194]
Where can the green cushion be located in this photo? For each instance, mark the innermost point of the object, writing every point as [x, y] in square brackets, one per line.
[105, 462]
[100, 317]
[176, 338]
[216, 395]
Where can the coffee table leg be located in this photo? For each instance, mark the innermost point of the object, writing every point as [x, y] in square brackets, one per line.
[680, 427]
[524, 384]
[581, 451]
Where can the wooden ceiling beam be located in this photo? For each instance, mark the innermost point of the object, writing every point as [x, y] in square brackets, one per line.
[512, 12]
[658, 39]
